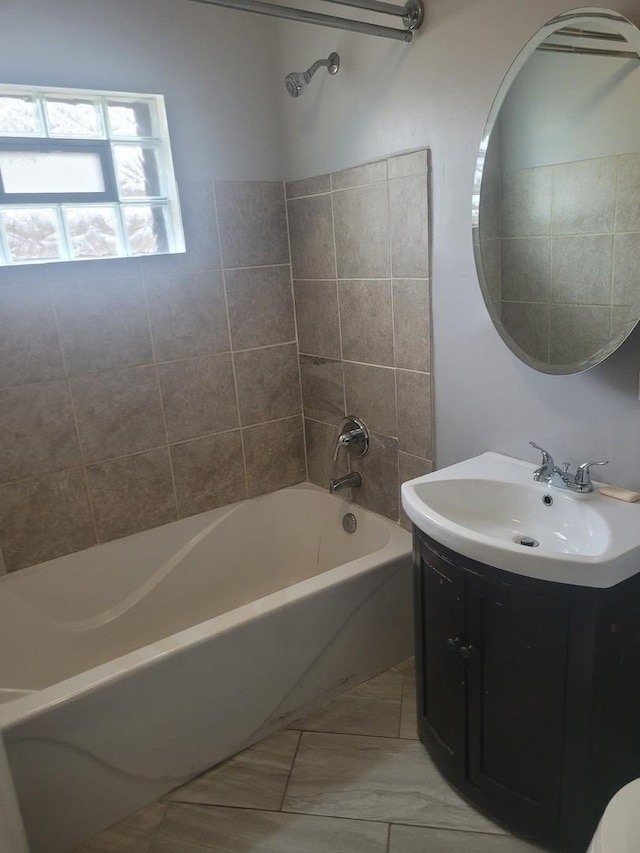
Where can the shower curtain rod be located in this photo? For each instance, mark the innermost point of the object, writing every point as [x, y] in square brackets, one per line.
[587, 51]
[412, 14]
[572, 32]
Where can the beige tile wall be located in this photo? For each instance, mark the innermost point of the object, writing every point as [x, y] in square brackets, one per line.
[135, 392]
[360, 261]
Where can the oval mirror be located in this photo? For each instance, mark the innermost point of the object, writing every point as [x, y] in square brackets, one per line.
[556, 204]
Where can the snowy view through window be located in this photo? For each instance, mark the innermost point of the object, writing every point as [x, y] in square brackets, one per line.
[141, 215]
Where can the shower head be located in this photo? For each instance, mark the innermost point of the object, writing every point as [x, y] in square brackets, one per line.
[297, 81]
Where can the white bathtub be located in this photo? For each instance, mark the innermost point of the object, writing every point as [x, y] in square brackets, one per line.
[133, 666]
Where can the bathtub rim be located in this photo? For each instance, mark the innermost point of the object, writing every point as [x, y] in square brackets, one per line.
[40, 701]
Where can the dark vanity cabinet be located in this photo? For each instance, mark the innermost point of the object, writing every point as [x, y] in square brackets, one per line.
[528, 692]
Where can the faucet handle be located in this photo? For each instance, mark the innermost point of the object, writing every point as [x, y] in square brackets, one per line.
[583, 476]
[353, 435]
[547, 458]
[342, 440]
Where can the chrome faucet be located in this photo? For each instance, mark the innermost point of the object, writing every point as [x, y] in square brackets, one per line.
[561, 478]
[353, 435]
[353, 478]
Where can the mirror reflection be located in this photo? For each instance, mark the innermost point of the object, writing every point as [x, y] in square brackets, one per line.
[557, 203]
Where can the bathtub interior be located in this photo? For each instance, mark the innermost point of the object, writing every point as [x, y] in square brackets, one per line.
[69, 615]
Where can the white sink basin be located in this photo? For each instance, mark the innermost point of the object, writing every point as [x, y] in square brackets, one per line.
[510, 511]
[490, 509]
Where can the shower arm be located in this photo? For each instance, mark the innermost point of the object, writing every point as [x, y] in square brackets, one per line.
[321, 63]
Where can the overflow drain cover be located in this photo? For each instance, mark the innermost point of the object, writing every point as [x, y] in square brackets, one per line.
[349, 523]
[528, 541]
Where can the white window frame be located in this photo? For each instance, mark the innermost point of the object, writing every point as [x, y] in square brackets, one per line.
[166, 200]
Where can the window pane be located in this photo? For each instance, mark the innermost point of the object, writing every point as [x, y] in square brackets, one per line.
[41, 172]
[70, 117]
[132, 118]
[18, 114]
[32, 234]
[94, 231]
[137, 170]
[146, 229]
[94, 178]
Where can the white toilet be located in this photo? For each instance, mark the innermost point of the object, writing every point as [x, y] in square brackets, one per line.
[619, 827]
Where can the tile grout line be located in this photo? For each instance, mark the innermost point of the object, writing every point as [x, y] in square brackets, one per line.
[374, 162]
[167, 445]
[272, 421]
[372, 431]
[264, 346]
[551, 270]
[233, 360]
[159, 386]
[225, 352]
[156, 831]
[613, 247]
[309, 195]
[335, 266]
[403, 675]
[289, 774]
[85, 470]
[352, 186]
[368, 278]
[254, 267]
[148, 450]
[368, 364]
[505, 834]
[331, 817]
[295, 328]
[429, 285]
[395, 364]
[333, 733]
[124, 367]
[419, 826]
[240, 808]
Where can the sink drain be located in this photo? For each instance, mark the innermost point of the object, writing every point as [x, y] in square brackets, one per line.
[527, 541]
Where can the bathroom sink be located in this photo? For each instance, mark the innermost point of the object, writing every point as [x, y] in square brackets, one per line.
[490, 509]
[513, 512]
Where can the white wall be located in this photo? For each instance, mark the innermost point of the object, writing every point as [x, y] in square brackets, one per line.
[214, 66]
[564, 107]
[437, 92]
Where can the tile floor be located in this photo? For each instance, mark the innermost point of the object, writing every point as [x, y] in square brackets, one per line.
[349, 778]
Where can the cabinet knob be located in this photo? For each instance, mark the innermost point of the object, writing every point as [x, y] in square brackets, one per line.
[454, 643]
[466, 651]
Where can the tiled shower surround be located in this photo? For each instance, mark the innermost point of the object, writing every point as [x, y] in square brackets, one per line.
[138, 391]
[360, 263]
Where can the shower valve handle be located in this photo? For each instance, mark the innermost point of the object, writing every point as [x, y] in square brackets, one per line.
[353, 435]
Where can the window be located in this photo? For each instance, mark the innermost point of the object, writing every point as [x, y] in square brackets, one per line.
[85, 175]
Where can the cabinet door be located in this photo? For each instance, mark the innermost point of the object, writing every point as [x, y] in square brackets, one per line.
[443, 669]
[516, 699]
